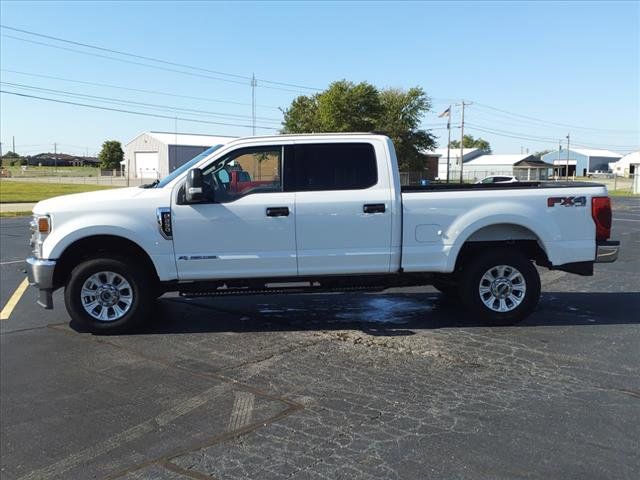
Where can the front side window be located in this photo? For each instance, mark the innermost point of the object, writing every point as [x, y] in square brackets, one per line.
[244, 172]
[331, 166]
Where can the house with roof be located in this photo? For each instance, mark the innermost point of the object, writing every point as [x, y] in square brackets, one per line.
[582, 161]
[153, 155]
[626, 166]
[525, 167]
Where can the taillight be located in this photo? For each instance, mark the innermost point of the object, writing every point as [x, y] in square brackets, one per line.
[601, 213]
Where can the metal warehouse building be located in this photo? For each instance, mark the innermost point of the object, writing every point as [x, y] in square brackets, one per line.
[153, 155]
[582, 161]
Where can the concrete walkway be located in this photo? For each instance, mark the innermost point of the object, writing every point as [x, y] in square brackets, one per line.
[16, 207]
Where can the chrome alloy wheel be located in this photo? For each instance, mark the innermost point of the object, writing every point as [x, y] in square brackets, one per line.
[502, 288]
[106, 296]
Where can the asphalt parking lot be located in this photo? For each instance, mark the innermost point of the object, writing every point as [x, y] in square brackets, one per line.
[391, 385]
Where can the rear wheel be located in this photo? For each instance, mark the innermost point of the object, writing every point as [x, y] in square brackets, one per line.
[500, 285]
[109, 295]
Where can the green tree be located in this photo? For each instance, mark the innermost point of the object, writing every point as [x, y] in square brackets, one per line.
[468, 141]
[111, 154]
[12, 158]
[349, 107]
[539, 155]
[400, 120]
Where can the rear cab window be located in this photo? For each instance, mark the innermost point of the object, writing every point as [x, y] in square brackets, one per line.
[330, 166]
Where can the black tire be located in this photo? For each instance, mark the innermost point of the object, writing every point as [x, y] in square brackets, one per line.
[491, 261]
[142, 292]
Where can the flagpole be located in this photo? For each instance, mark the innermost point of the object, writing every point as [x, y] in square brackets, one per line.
[448, 142]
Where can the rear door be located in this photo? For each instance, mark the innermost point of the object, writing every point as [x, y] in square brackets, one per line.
[343, 207]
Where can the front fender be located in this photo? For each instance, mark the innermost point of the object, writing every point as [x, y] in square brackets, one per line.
[144, 233]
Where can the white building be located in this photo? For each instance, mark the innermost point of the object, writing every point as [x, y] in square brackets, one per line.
[153, 155]
[454, 159]
[582, 161]
[626, 166]
[524, 167]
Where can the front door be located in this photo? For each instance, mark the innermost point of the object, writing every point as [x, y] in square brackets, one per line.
[248, 230]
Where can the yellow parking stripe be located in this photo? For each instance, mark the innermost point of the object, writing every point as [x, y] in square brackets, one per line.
[13, 301]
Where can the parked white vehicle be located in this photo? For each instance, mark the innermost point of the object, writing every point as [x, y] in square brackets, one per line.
[312, 213]
[498, 179]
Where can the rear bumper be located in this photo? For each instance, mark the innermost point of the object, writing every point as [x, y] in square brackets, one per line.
[607, 251]
[40, 275]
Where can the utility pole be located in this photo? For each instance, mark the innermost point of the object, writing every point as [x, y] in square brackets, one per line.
[448, 142]
[568, 135]
[447, 113]
[254, 84]
[55, 157]
[13, 141]
[559, 152]
[462, 139]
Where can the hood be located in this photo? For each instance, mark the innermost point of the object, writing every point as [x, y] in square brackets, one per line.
[87, 200]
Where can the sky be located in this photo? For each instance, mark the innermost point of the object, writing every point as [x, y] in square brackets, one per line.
[534, 72]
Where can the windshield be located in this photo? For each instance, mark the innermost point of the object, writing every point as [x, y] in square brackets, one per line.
[178, 171]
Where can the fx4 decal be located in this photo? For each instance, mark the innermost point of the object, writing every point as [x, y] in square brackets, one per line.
[567, 201]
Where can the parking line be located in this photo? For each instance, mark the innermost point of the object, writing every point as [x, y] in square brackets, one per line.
[13, 301]
[12, 261]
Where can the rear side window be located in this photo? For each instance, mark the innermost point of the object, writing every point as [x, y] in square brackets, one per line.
[331, 166]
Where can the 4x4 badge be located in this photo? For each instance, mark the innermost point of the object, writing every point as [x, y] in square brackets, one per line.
[567, 201]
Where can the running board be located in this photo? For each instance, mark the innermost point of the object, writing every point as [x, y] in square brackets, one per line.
[278, 288]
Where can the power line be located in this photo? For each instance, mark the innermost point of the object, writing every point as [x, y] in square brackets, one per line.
[156, 115]
[490, 117]
[139, 90]
[130, 102]
[534, 138]
[91, 54]
[157, 60]
[566, 125]
[621, 141]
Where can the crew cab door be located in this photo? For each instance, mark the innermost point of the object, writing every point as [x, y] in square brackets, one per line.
[247, 229]
[343, 207]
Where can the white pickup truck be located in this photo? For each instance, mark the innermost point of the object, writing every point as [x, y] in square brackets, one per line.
[310, 213]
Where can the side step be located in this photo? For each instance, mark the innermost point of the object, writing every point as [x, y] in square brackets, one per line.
[277, 289]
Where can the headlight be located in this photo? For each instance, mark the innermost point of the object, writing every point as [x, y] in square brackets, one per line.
[40, 227]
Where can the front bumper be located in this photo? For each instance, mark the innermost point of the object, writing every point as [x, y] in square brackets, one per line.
[40, 274]
[607, 251]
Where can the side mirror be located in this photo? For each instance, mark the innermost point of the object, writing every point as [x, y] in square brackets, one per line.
[194, 189]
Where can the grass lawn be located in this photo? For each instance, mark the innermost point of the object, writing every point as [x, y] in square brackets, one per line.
[622, 193]
[32, 171]
[15, 214]
[26, 192]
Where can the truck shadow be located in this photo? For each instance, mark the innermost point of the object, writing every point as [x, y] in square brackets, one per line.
[382, 314]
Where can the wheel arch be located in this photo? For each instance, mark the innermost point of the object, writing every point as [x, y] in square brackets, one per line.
[88, 247]
[513, 235]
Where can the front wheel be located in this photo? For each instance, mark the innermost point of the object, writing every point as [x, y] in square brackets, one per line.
[108, 295]
[501, 286]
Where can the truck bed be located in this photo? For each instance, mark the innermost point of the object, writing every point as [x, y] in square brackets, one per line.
[439, 187]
